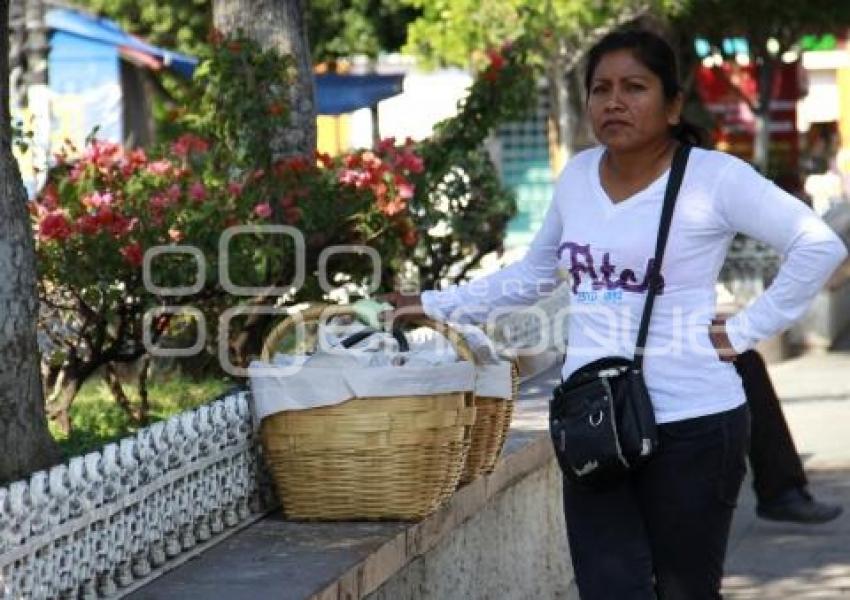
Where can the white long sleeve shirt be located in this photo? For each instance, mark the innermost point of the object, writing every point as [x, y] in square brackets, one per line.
[606, 248]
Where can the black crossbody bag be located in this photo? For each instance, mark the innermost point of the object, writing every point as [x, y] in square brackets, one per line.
[601, 418]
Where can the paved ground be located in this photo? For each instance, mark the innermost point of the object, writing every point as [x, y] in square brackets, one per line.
[772, 561]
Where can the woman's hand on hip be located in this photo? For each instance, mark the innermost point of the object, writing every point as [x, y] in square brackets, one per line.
[720, 339]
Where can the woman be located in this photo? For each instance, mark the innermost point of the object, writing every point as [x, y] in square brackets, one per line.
[664, 531]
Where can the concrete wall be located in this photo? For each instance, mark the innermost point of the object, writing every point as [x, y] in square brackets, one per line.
[515, 548]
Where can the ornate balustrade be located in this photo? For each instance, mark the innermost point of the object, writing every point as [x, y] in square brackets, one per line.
[103, 522]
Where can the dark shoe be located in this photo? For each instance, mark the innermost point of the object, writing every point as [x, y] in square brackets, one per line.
[798, 506]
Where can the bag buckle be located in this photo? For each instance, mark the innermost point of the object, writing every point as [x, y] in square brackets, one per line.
[596, 420]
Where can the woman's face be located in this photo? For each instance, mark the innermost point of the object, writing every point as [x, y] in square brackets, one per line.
[626, 103]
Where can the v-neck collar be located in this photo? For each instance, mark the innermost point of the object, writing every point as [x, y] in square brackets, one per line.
[636, 198]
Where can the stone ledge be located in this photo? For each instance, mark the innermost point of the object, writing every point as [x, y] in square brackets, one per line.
[274, 558]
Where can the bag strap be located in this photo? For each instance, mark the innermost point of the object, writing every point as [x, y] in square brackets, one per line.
[677, 173]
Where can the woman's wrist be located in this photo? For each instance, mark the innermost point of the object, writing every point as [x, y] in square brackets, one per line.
[720, 340]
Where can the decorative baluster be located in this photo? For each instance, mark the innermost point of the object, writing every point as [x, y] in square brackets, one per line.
[43, 561]
[23, 576]
[202, 499]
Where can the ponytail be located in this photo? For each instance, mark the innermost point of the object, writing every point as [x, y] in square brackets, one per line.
[688, 133]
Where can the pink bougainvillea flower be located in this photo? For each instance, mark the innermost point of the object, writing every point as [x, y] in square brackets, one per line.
[198, 192]
[173, 192]
[263, 210]
[405, 190]
[349, 177]
[386, 145]
[234, 188]
[390, 205]
[412, 162]
[133, 254]
[134, 161]
[95, 200]
[160, 167]
[54, 226]
[189, 143]
[103, 154]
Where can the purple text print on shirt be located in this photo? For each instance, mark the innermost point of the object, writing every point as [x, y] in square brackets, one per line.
[581, 261]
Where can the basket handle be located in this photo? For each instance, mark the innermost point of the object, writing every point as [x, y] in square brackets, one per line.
[457, 341]
[318, 311]
[312, 313]
[398, 334]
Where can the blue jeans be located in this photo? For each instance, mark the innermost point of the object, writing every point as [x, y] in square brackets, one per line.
[663, 532]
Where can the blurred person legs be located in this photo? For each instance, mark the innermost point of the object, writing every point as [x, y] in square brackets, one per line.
[778, 478]
[663, 531]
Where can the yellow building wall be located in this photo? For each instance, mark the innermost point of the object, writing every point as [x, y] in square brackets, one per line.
[333, 134]
[843, 80]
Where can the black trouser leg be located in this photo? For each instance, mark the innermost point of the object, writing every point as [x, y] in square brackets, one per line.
[774, 460]
[664, 531]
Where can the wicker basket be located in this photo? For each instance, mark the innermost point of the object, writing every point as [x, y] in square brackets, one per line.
[394, 458]
[492, 421]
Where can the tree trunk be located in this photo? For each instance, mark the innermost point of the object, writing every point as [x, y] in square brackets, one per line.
[761, 133]
[144, 400]
[25, 442]
[118, 393]
[279, 24]
[560, 122]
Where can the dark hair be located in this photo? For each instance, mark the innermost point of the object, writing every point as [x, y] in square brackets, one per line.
[657, 56]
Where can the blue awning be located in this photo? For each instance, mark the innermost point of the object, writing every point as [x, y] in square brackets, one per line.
[337, 94]
[108, 32]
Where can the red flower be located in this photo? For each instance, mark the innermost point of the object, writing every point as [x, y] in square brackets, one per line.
[234, 188]
[50, 197]
[275, 109]
[215, 37]
[87, 225]
[351, 161]
[409, 237]
[54, 226]
[386, 145]
[189, 143]
[292, 215]
[133, 254]
[198, 192]
[103, 154]
[412, 162]
[324, 159]
[497, 61]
